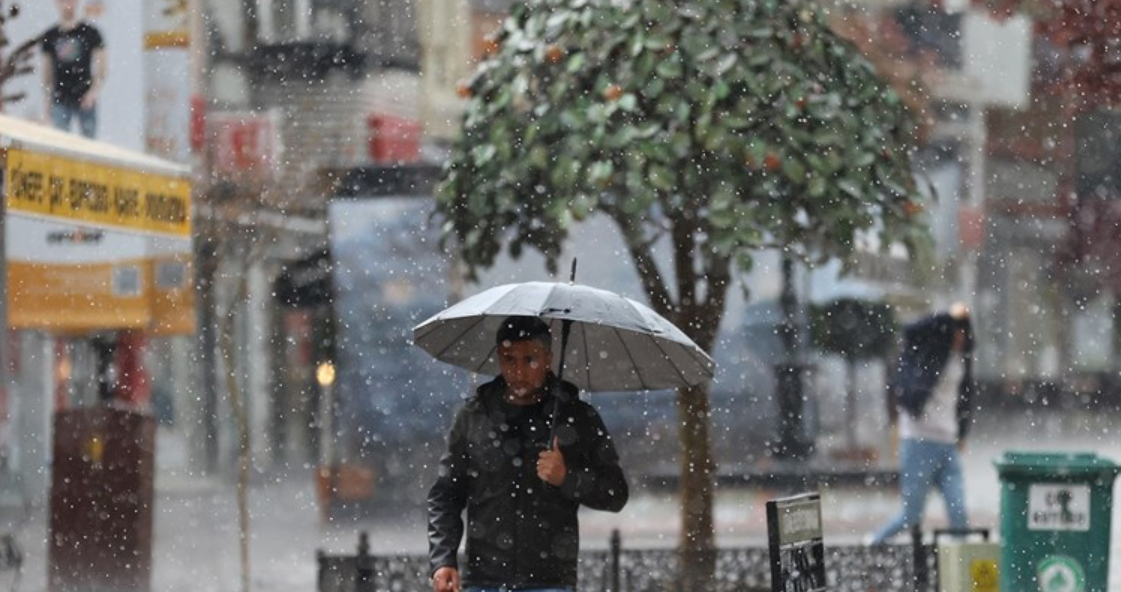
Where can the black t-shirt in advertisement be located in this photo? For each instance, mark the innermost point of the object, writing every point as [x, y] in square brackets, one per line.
[71, 53]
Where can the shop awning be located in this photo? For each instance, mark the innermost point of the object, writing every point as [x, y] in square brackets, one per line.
[96, 238]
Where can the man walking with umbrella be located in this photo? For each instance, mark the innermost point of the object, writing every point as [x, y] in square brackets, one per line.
[523, 455]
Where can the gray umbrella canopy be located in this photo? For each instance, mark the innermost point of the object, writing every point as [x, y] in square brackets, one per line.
[615, 344]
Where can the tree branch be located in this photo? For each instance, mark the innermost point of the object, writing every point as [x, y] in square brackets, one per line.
[653, 284]
[718, 277]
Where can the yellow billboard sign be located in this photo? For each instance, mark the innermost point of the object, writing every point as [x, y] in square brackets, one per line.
[91, 246]
[94, 194]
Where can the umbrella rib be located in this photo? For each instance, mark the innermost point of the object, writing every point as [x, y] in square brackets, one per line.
[665, 353]
[483, 361]
[453, 342]
[630, 356]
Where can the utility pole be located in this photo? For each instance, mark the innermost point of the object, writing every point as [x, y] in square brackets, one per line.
[206, 250]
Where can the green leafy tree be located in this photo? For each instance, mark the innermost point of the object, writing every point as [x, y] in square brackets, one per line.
[856, 330]
[718, 127]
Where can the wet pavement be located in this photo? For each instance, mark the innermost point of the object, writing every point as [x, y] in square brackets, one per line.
[195, 546]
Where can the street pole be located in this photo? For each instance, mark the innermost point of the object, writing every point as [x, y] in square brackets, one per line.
[325, 376]
[205, 249]
[792, 441]
[326, 473]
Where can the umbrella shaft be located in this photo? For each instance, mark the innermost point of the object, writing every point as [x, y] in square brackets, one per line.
[566, 329]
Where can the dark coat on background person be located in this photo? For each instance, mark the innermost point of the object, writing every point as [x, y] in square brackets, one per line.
[521, 531]
[926, 349]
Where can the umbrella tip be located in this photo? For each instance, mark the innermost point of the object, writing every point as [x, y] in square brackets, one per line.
[572, 276]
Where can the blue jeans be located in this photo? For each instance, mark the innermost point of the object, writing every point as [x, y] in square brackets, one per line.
[481, 589]
[87, 118]
[922, 466]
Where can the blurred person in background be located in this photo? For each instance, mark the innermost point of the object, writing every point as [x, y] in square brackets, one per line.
[933, 388]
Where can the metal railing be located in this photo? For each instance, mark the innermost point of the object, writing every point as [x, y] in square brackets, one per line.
[849, 568]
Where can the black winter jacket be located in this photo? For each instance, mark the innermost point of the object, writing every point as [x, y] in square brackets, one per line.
[521, 531]
[926, 349]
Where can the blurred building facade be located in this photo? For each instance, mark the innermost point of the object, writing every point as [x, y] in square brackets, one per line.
[1011, 135]
[50, 368]
[296, 93]
[1019, 152]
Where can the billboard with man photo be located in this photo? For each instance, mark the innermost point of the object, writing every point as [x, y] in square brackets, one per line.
[74, 30]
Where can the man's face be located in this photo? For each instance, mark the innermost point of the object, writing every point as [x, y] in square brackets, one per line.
[524, 365]
[67, 8]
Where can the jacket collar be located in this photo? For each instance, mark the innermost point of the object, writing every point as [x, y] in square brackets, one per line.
[493, 390]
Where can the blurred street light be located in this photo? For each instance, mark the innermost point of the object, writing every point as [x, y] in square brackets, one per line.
[325, 376]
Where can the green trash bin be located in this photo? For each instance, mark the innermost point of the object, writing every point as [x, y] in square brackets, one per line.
[1055, 513]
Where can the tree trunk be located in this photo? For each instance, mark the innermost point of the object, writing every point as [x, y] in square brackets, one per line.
[700, 321]
[697, 547]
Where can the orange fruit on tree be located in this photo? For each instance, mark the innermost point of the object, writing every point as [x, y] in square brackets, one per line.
[613, 92]
[772, 162]
[490, 44]
[912, 208]
[554, 53]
